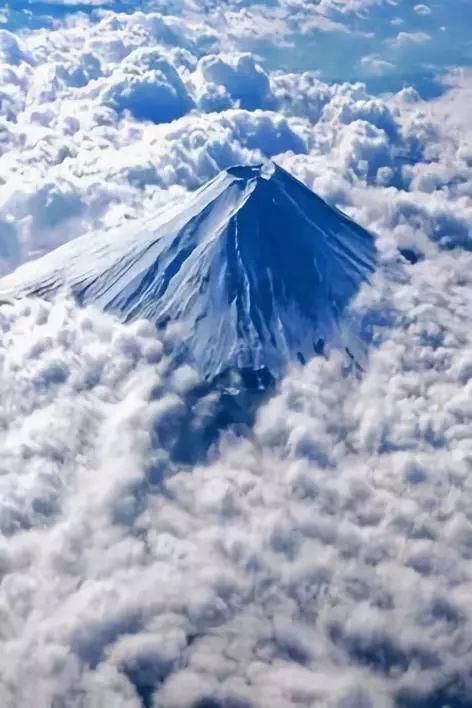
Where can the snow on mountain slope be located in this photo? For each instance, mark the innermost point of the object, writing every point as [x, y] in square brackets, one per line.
[256, 268]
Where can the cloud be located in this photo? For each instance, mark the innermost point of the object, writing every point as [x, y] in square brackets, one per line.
[224, 81]
[342, 516]
[92, 3]
[405, 39]
[422, 9]
[349, 6]
[81, 151]
[321, 556]
[11, 51]
[147, 85]
[375, 65]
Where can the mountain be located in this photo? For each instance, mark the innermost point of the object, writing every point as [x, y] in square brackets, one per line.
[256, 268]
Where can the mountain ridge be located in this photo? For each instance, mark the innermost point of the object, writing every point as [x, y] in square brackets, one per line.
[257, 268]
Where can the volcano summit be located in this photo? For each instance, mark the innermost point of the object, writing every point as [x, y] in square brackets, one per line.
[255, 267]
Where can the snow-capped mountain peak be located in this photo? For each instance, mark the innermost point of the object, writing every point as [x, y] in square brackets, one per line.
[256, 268]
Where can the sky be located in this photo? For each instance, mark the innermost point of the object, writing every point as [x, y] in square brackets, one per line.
[322, 557]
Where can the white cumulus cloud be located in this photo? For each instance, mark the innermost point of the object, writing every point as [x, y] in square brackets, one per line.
[321, 557]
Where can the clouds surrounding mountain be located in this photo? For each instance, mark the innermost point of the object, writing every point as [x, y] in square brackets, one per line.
[254, 268]
[324, 556]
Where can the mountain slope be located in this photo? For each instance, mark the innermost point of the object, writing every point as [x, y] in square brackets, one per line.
[256, 268]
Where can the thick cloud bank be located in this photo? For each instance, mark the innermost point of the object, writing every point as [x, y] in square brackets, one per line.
[321, 558]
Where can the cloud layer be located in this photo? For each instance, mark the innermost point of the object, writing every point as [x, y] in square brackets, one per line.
[94, 132]
[322, 557]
